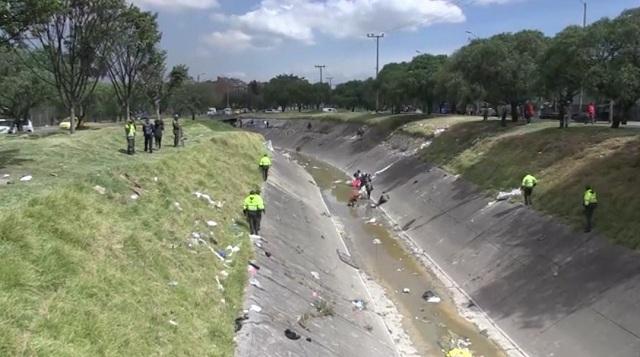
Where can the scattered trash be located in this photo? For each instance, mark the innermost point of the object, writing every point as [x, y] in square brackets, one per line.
[267, 254]
[347, 259]
[205, 197]
[173, 283]
[251, 270]
[195, 235]
[315, 275]
[269, 145]
[239, 322]
[26, 178]
[224, 274]
[233, 250]
[173, 323]
[134, 197]
[426, 144]
[372, 221]
[212, 224]
[6, 176]
[383, 170]
[308, 339]
[177, 206]
[53, 174]
[406, 291]
[503, 196]
[220, 287]
[99, 189]
[459, 352]
[377, 241]
[254, 265]
[287, 155]
[431, 297]
[222, 254]
[439, 131]
[471, 305]
[256, 283]
[359, 304]
[255, 308]
[292, 335]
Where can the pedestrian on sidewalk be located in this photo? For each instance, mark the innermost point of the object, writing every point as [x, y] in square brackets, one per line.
[528, 183]
[177, 131]
[590, 202]
[265, 164]
[158, 132]
[130, 132]
[253, 209]
[148, 130]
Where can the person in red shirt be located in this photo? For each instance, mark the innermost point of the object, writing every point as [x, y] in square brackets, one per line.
[591, 113]
[528, 112]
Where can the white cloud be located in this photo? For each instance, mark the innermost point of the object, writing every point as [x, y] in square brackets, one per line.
[492, 2]
[193, 4]
[273, 21]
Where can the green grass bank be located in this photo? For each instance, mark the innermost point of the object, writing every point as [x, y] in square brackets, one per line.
[564, 161]
[86, 273]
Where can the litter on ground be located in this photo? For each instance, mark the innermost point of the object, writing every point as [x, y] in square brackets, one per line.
[359, 304]
[315, 275]
[406, 291]
[255, 308]
[134, 197]
[177, 206]
[26, 178]
[459, 352]
[99, 189]
[212, 224]
[173, 323]
[220, 287]
[431, 297]
[256, 283]
[502, 196]
[205, 197]
[372, 221]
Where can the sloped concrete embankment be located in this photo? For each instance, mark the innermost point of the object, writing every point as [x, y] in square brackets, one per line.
[303, 286]
[552, 290]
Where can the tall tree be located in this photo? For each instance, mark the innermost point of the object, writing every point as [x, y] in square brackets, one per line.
[393, 81]
[22, 87]
[17, 16]
[422, 78]
[131, 49]
[154, 83]
[76, 38]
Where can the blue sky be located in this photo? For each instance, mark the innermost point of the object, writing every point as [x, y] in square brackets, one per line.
[257, 39]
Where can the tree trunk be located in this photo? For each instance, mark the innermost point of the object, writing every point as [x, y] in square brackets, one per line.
[128, 110]
[430, 107]
[611, 108]
[157, 105]
[72, 119]
[193, 115]
[514, 112]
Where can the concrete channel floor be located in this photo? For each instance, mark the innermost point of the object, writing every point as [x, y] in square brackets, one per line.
[304, 282]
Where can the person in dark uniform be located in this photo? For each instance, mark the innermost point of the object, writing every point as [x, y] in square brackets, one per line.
[148, 130]
[253, 209]
[177, 131]
[157, 132]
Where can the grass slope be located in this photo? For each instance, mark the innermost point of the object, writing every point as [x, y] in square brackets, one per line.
[342, 117]
[564, 161]
[89, 274]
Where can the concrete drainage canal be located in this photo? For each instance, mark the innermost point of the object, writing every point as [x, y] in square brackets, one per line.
[429, 315]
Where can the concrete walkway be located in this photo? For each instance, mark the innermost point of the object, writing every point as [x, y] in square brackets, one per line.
[303, 282]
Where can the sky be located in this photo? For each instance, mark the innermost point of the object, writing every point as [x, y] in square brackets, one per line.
[258, 39]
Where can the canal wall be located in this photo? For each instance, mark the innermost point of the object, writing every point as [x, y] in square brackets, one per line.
[551, 290]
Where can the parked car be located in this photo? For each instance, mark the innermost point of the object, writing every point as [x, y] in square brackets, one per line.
[9, 126]
[228, 111]
[212, 111]
[329, 110]
[5, 126]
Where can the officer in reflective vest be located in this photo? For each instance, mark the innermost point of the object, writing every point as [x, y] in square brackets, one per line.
[253, 209]
[130, 131]
[265, 164]
[528, 183]
[590, 202]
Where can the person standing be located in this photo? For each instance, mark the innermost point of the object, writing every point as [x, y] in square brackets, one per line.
[130, 132]
[158, 132]
[265, 164]
[528, 183]
[177, 130]
[148, 130]
[253, 209]
[528, 112]
[591, 113]
[590, 202]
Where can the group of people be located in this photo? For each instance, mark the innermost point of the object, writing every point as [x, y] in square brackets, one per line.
[362, 186]
[253, 205]
[153, 133]
[589, 199]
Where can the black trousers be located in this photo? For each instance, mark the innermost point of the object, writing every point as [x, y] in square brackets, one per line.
[131, 145]
[176, 138]
[254, 218]
[588, 213]
[158, 141]
[148, 143]
[265, 172]
[527, 191]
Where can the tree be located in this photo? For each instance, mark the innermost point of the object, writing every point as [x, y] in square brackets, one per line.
[355, 94]
[422, 78]
[615, 60]
[450, 85]
[75, 38]
[131, 49]
[17, 17]
[393, 81]
[287, 89]
[191, 97]
[504, 66]
[22, 87]
[153, 82]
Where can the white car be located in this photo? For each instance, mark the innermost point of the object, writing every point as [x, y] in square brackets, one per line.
[212, 111]
[329, 110]
[228, 111]
[7, 127]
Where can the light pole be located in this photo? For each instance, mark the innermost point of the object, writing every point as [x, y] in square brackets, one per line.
[584, 25]
[377, 37]
[330, 79]
[321, 67]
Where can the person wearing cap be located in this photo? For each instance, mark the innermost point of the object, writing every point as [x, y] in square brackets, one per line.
[130, 132]
[177, 131]
[590, 202]
[253, 209]
[265, 164]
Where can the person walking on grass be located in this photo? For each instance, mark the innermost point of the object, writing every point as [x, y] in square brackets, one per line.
[158, 130]
[148, 130]
[130, 132]
[253, 209]
[177, 131]
[528, 183]
[265, 164]
[590, 202]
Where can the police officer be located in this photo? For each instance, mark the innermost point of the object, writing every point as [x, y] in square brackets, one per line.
[265, 164]
[253, 210]
[130, 132]
[177, 130]
[148, 130]
[157, 132]
[590, 203]
[528, 183]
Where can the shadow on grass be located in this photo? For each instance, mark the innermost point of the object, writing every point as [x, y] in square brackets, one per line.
[10, 158]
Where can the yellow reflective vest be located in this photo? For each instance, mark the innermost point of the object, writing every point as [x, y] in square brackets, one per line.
[590, 197]
[253, 203]
[529, 181]
[130, 129]
[265, 161]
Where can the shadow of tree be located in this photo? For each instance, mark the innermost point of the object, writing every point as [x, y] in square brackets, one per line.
[11, 158]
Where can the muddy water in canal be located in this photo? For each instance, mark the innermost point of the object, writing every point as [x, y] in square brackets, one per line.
[433, 326]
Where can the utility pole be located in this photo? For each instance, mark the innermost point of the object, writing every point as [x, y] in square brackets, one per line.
[377, 37]
[321, 67]
[584, 26]
[330, 79]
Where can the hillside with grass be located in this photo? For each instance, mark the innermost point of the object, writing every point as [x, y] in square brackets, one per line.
[98, 250]
[564, 161]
